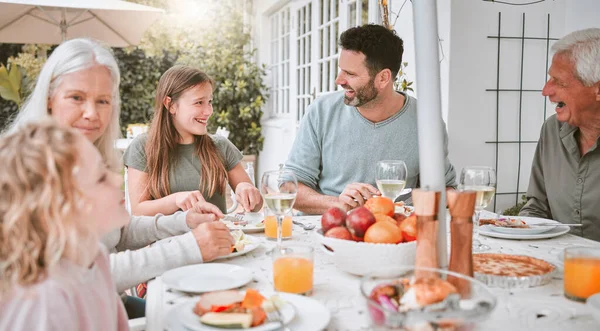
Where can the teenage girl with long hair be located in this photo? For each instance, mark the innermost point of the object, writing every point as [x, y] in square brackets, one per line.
[178, 163]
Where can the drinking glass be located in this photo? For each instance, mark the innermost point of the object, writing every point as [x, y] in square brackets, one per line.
[482, 180]
[582, 272]
[293, 269]
[271, 225]
[279, 188]
[391, 178]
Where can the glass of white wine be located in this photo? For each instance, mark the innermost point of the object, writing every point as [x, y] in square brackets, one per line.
[391, 178]
[481, 180]
[279, 188]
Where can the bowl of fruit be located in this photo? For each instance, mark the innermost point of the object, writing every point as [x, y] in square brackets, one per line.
[369, 238]
[410, 298]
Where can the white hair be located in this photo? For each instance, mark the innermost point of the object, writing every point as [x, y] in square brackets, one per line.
[69, 57]
[583, 47]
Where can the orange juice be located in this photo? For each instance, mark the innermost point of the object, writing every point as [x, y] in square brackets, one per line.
[293, 274]
[582, 277]
[271, 226]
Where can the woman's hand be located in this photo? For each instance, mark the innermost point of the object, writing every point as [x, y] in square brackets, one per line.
[186, 200]
[248, 196]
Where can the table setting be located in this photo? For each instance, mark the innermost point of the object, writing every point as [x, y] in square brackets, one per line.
[303, 278]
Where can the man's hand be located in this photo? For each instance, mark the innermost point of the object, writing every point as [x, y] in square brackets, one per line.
[186, 200]
[356, 194]
[202, 212]
[248, 196]
[213, 239]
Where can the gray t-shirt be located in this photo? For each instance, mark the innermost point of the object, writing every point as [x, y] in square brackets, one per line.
[337, 146]
[186, 171]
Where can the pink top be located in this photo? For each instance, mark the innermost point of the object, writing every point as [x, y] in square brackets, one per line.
[71, 298]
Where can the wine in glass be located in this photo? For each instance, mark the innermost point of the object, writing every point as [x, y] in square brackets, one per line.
[481, 180]
[391, 178]
[279, 188]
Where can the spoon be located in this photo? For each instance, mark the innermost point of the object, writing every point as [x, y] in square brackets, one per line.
[304, 226]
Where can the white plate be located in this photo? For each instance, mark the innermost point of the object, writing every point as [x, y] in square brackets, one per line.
[527, 220]
[253, 220]
[555, 232]
[192, 321]
[310, 315]
[208, 277]
[255, 242]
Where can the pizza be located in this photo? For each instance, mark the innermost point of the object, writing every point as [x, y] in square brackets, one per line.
[510, 265]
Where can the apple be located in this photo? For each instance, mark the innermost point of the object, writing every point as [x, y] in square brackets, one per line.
[409, 228]
[332, 218]
[358, 221]
[339, 232]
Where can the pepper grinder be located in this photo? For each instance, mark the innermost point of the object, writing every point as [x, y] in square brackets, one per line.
[426, 208]
[462, 208]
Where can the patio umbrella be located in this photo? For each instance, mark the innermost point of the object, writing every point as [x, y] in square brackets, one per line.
[430, 124]
[116, 23]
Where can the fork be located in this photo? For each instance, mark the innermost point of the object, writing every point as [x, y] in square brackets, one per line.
[275, 316]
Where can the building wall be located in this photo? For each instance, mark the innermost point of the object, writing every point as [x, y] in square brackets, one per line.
[468, 67]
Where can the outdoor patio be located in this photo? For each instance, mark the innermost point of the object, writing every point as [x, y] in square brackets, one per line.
[270, 59]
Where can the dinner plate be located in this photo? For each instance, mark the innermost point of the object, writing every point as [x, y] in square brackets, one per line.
[555, 232]
[521, 231]
[192, 321]
[207, 277]
[310, 315]
[254, 223]
[252, 245]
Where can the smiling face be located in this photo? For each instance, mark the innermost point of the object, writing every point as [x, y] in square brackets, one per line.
[102, 190]
[83, 100]
[576, 104]
[191, 112]
[354, 77]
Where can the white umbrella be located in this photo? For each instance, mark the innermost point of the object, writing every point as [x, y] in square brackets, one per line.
[116, 23]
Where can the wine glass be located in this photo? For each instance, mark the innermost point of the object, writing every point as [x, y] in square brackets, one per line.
[279, 188]
[391, 178]
[482, 180]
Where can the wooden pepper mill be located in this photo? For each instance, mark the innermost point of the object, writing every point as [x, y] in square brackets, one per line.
[462, 207]
[426, 208]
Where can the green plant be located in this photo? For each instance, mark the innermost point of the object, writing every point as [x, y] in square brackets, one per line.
[240, 92]
[139, 78]
[402, 83]
[10, 83]
[514, 210]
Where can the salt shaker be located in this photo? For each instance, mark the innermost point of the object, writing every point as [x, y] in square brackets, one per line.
[426, 208]
[462, 208]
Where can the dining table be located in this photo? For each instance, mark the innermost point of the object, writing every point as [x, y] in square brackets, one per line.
[536, 308]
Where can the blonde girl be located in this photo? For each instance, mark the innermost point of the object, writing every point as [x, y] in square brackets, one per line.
[57, 198]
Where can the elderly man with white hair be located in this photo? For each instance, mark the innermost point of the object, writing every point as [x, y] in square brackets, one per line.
[565, 175]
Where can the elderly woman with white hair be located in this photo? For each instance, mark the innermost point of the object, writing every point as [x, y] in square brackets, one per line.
[79, 87]
[565, 174]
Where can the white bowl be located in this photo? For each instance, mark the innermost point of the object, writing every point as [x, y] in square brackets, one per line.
[360, 258]
[593, 303]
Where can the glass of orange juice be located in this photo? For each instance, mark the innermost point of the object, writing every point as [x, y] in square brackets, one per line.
[271, 225]
[582, 272]
[293, 269]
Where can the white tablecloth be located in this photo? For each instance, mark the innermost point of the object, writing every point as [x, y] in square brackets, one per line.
[540, 308]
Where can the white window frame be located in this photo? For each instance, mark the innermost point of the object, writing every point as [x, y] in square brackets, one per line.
[280, 64]
[305, 80]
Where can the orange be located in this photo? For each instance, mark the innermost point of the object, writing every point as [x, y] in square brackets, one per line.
[383, 233]
[380, 205]
[381, 217]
